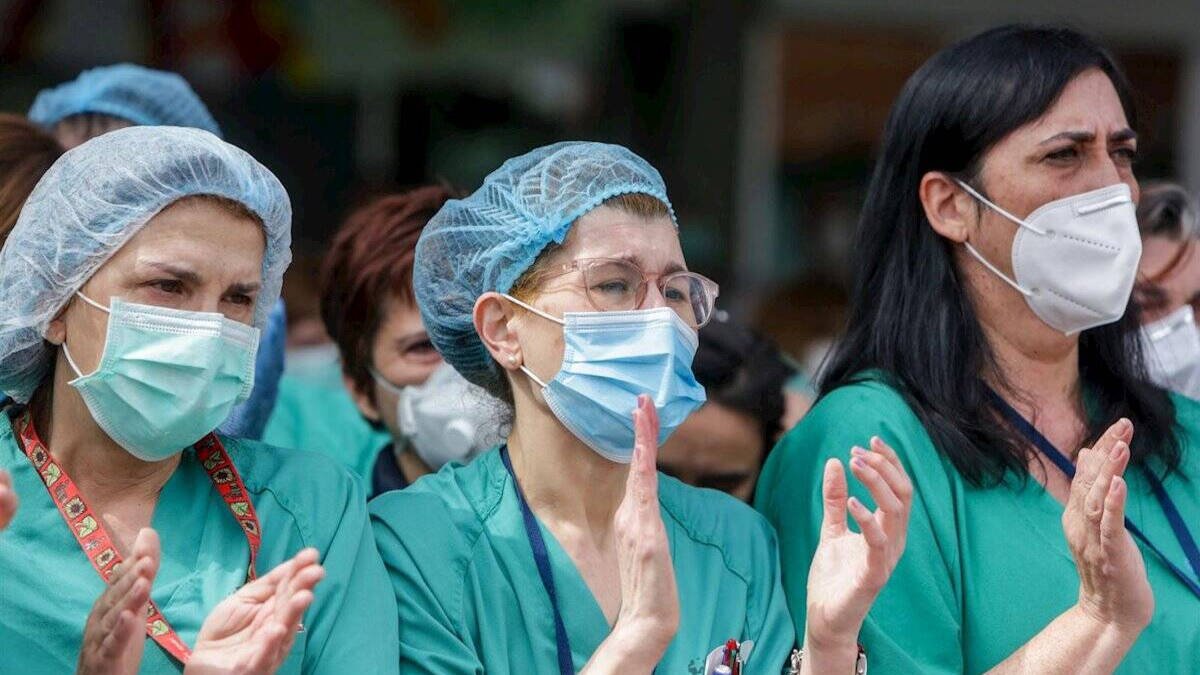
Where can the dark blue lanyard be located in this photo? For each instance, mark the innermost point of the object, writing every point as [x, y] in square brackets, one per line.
[542, 558]
[1168, 506]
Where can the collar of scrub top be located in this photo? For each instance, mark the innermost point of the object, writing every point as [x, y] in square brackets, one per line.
[1178, 526]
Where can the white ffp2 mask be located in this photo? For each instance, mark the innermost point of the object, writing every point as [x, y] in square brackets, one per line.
[1172, 349]
[1075, 259]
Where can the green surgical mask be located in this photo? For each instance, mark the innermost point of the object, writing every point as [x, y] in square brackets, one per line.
[167, 377]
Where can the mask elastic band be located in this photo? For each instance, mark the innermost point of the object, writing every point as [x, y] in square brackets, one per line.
[996, 270]
[533, 377]
[93, 303]
[71, 361]
[383, 382]
[997, 209]
[535, 310]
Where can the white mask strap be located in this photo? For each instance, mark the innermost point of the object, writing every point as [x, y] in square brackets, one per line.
[71, 361]
[970, 190]
[533, 377]
[383, 382]
[995, 270]
[535, 310]
[93, 303]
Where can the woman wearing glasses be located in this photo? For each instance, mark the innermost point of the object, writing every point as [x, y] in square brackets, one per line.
[560, 287]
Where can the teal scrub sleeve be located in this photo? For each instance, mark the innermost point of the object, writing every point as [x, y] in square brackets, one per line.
[427, 576]
[353, 630]
[915, 625]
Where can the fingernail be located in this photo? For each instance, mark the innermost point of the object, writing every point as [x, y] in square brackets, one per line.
[857, 451]
[858, 463]
[1124, 423]
[853, 502]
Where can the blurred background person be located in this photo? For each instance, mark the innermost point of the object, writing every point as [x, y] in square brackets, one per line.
[723, 444]
[1168, 287]
[26, 152]
[396, 377]
[114, 97]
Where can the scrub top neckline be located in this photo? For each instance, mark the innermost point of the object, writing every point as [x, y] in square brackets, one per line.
[587, 626]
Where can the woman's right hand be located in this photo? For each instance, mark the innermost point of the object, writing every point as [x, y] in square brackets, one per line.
[1113, 588]
[649, 613]
[115, 633]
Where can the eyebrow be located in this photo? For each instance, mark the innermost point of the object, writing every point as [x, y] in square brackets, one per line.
[671, 268]
[182, 273]
[1125, 134]
[191, 277]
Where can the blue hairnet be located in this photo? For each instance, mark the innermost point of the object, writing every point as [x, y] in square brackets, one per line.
[249, 418]
[94, 199]
[486, 241]
[140, 95]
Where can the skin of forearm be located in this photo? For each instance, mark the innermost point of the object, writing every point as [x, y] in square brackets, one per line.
[1072, 643]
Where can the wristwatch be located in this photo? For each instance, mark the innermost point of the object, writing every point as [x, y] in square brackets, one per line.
[797, 657]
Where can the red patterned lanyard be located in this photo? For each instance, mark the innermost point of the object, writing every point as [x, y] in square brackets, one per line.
[94, 539]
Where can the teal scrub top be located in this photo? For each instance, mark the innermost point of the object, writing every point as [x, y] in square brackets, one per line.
[319, 415]
[471, 600]
[985, 569]
[47, 585]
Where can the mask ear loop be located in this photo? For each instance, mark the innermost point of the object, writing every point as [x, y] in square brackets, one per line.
[67, 352]
[978, 256]
[529, 373]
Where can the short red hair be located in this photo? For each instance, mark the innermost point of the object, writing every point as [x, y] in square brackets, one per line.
[370, 263]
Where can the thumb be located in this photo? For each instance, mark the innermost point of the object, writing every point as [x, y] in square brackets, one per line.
[833, 496]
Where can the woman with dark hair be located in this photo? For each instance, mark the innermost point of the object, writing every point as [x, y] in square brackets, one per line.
[988, 340]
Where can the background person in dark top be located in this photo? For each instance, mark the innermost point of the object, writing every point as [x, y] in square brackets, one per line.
[724, 443]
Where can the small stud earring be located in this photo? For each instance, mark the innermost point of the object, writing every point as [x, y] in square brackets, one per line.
[512, 359]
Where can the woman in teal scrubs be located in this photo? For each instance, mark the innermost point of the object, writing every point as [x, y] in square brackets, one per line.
[560, 287]
[989, 340]
[131, 293]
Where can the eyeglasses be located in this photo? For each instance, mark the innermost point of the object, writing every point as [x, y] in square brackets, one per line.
[615, 285]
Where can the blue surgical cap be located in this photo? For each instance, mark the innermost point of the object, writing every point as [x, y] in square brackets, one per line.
[93, 200]
[486, 241]
[140, 95]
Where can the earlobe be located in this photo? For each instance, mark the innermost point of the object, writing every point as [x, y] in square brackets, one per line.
[948, 208]
[491, 317]
[362, 400]
[56, 330]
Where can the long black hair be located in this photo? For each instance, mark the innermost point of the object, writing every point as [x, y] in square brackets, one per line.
[910, 316]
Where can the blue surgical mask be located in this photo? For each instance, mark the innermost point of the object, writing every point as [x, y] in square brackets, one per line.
[611, 358]
[167, 377]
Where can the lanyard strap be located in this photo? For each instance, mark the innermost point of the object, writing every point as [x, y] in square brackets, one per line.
[94, 540]
[1186, 541]
[542, 558]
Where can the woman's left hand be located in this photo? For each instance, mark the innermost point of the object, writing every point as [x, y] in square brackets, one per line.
[252, 630]
[848, 569]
